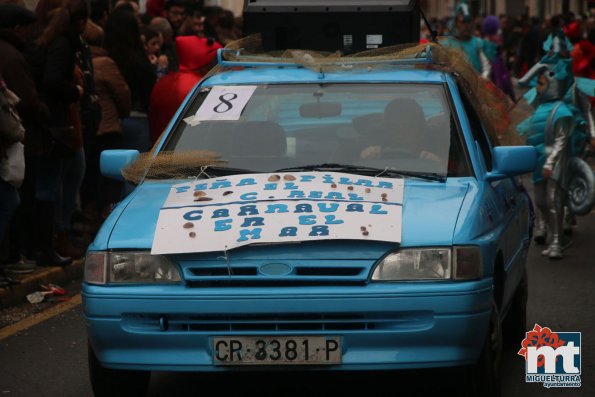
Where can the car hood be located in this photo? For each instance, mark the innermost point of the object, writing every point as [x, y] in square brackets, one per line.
[430, 212]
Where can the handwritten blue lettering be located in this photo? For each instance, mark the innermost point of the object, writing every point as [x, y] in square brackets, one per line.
[278, 208]
[334, 196]
[331, 220]
[315, 195]
[246, 182]
[222, 213]
[328, 178]
[307, 219]
[377, 210]
[254, 233]
[385, 185]
[223, 183]
[248, 210]
[354, 197]
[223, 224]
[331, 207]
[289, 231]
[193, 215]
[182, 189]
[355, 208]
[303, 208]
[296, 194]
[364, 182]
[255, 221]
[319, 231]
[249, 196]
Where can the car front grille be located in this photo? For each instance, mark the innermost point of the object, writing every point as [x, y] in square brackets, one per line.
[207, 274]
[264, 323]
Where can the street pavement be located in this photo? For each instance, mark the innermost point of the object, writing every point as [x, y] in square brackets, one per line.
[49, 359]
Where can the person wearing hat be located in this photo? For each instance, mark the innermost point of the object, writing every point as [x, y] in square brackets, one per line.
[554, 130]
[493, 42]
[196, 55]
[463, 39]
[16, 23]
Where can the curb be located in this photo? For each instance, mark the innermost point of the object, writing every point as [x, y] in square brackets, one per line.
[11, 296]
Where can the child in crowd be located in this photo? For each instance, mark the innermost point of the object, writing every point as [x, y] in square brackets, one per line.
[153, 41]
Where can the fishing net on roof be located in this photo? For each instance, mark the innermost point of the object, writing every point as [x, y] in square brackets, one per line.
[498, 113]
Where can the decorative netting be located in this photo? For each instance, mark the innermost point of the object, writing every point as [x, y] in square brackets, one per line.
[499, 115]
[170, 165]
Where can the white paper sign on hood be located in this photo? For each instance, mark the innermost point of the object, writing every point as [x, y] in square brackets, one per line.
[220, 214]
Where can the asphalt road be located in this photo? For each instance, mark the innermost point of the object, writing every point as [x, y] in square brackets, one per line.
[49, 359]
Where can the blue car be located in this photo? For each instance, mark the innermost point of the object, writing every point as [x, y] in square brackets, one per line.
[356, 219]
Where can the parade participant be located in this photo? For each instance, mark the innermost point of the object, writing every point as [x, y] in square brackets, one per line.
[493, 41]
[462, 38]
[550, 129]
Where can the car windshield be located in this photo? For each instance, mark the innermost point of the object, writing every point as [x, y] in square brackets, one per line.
[398, 128]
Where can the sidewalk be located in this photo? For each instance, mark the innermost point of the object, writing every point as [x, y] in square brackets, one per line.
[16, 294]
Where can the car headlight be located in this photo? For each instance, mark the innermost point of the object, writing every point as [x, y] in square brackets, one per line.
[129, 267]
[414, 264]
[408, 264]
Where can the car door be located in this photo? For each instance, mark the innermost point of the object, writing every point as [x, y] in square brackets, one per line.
[506, 206]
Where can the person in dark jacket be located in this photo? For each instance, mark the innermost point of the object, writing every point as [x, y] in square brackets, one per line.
[115, 102]
[62, 89]
[16, 24]
[124, 46]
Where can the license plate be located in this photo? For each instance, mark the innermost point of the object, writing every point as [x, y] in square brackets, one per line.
[311, 350]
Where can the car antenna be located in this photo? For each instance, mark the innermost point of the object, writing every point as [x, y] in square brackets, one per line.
[433, 33]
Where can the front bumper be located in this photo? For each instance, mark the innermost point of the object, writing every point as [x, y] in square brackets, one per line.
[382, 326]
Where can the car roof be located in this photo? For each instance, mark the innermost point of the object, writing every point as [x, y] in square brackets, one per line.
[266, 74]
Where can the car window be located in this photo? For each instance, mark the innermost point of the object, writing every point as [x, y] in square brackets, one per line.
[478, 131]
[406, 127]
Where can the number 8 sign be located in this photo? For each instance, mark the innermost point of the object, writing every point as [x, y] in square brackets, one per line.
[225, 103]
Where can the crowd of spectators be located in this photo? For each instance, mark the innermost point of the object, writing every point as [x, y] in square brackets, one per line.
[90, 76]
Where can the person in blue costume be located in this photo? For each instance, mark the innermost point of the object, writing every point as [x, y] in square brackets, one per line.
[554, 131]
[558, 49]
[463, 39]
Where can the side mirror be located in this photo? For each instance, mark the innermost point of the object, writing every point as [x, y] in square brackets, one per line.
[512, 161]
[112, 162]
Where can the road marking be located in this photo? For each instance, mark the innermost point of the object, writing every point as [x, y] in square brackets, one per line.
[40, 317]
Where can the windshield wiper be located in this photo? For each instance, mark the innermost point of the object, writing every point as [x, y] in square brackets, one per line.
[368, 171]
[430, 176]
[338, 167]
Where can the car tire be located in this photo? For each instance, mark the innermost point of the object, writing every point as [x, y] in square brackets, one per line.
[514, 326]
[483, 378]
[107, 382]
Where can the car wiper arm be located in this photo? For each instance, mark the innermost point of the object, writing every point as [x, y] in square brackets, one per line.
[389, 172]
[430, 176]
[340, 167]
